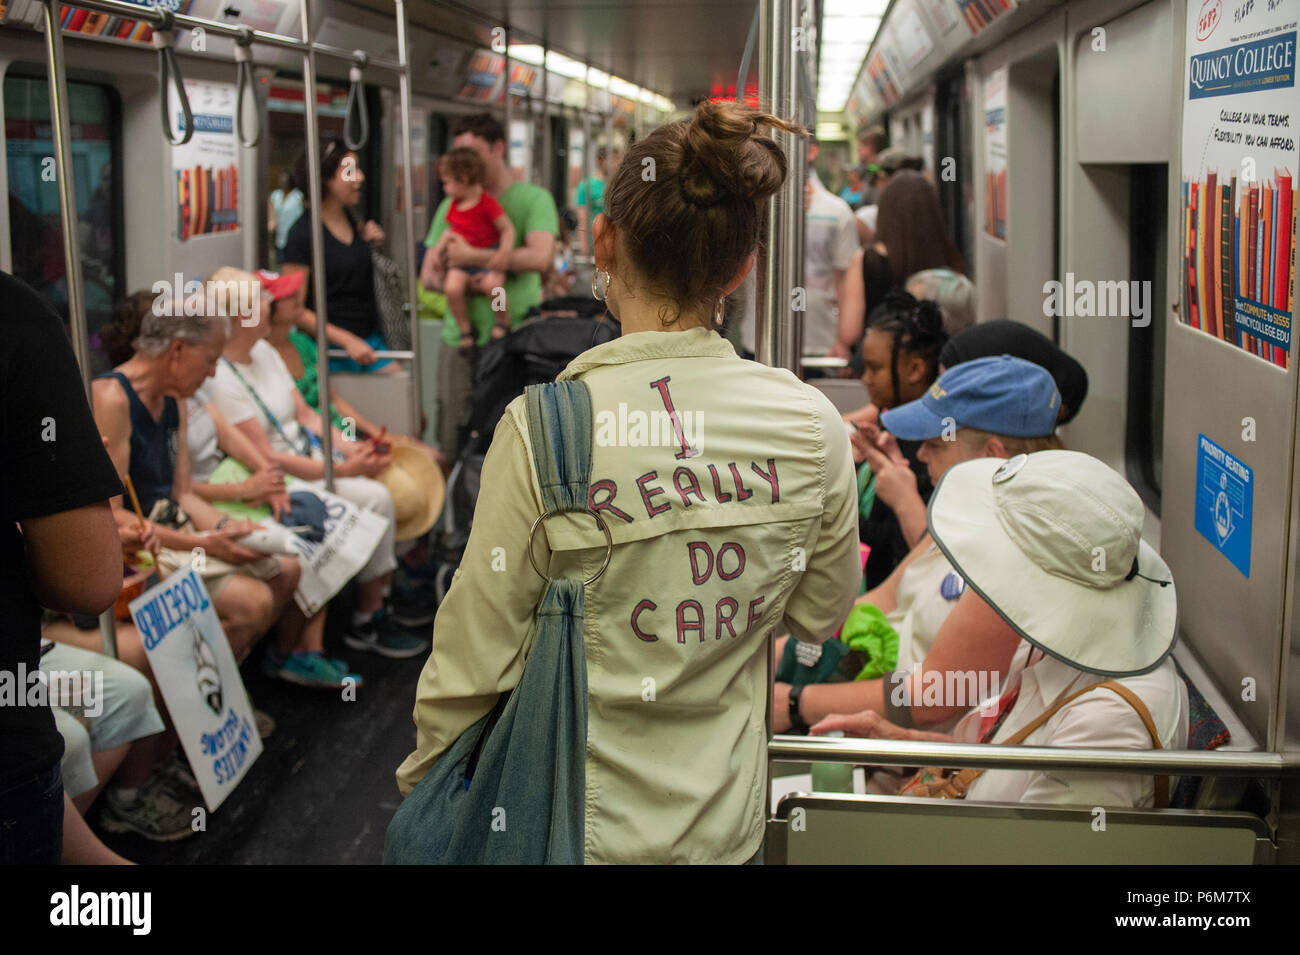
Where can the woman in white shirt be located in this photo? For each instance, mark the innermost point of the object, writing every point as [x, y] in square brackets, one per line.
[255, 391]
[1050, 545]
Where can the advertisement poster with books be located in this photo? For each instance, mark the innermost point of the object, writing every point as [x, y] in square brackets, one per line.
[199, 678]
[1240, 117]
[995, 154]
[205, 171]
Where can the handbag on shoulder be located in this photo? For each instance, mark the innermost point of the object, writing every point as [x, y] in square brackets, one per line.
[512, 788]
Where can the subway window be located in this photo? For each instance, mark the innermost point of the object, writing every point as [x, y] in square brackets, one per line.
[1144, 436]
[35, 230]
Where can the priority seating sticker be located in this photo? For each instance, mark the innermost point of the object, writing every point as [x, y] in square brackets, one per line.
[1224, 496]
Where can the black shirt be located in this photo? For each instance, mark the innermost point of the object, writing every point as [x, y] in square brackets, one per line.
[51, 460]
[880, 531]
[349, 279]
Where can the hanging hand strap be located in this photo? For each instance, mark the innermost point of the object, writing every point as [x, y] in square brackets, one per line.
[356, 106]
[169, 71]
[246, 85]
[960, 781]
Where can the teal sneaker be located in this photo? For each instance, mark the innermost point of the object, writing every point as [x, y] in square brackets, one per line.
[381, 634]
[313, 669]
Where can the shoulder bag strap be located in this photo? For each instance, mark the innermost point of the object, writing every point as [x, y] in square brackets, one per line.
[270, 416]
[961, 780]
[559, 427]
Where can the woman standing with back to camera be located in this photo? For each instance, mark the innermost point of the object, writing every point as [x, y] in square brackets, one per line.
[739, 518]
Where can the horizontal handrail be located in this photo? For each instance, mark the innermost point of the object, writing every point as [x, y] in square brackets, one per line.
[884, 752]
[824, 361]
[396, 355]
[156, 15]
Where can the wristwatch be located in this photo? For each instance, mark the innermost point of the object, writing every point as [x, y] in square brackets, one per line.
[797, 725]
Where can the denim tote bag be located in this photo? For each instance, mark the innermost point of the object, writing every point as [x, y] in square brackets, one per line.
[512, 788]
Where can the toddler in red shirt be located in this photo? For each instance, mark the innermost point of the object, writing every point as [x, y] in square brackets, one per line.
[478, 218]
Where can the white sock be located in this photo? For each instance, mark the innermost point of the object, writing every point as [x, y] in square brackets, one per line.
[361, 617]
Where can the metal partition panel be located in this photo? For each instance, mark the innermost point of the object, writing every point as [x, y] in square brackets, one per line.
[1233, 622]
[854, 830]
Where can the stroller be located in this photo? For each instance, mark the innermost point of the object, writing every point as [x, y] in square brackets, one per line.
[537, 350]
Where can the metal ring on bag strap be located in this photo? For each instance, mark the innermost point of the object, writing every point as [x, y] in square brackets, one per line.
[600, 522]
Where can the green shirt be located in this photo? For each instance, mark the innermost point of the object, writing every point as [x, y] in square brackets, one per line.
[309, 383]
[596, 206]
[531, 209]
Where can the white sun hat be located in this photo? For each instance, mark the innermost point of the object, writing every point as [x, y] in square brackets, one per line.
[1052, 541]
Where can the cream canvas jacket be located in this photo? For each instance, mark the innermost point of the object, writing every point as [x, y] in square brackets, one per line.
[729, 490]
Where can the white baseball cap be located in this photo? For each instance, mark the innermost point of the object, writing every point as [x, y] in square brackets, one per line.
[1052, 541]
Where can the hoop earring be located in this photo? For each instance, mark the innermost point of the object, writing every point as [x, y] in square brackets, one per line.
[600, 290]
[719, 311]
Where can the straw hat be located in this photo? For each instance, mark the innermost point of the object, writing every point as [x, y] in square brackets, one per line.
[416, 486]
[1052, 541]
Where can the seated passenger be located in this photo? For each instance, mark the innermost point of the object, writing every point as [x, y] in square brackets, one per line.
[298, 349]
[137, 409]
[254, 390]
[956, 297]
[114, 720]
[679, 779]
[479, 220]
[1051, 545]
[1004, 337]
[991, 407]
[901, 359]
[144, 379]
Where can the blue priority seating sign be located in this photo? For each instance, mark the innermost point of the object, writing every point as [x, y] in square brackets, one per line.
[1225, 490]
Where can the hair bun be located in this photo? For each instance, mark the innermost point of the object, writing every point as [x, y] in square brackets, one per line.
[725, 154]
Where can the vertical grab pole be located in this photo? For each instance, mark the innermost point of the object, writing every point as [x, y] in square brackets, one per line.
[773, 284]
[548, 146]
[71, 246]
[509, 109]
[317, 242]
[587, 243]
[412, 274]
[794, 185]
[67, 190]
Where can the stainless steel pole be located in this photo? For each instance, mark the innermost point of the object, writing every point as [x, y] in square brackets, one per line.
[67, 190]
[317, 244]
[772, 338]
[59, 124]
[794, 188]
[586, 245]
[509, 108]
[548, 145]
[412, 274]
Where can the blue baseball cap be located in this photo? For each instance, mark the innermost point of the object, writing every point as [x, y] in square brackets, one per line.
[1001, 394]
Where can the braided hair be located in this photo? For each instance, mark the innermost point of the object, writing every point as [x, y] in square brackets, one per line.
[916, 325]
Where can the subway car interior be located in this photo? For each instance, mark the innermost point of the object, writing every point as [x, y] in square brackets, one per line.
[1114, 176]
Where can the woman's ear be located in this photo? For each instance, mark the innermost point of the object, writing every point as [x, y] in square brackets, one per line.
[994, 448]
[915, 370]
[739, 276]
[602, 231]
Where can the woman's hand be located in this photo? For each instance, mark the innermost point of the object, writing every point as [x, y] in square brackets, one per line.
[895, 479]
[366, 464]
[359, 350]
[868, 724]
[135, 538]
[780, 707]
[372, 233]
[263, 484]
[280, 504]
[224, 543]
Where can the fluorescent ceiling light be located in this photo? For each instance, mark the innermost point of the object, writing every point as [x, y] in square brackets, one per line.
[621, 87]
[647, 96]
[855, 8]
[565, 66]
[597, 78]
[525, 53]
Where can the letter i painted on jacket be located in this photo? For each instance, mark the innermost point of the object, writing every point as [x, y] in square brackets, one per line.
[662, 387]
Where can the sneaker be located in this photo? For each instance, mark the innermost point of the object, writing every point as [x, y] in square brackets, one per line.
[412, 609]
[154, 813]
[315, 669]
[380, 634]
[175, 775]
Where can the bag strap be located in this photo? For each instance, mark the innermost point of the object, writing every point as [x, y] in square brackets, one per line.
[270, 416]
[960, 781]
[559, 426]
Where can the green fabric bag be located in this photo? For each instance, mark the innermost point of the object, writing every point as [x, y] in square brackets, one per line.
[791, 671]
[231, 471]
[867, 630]
[866, 490]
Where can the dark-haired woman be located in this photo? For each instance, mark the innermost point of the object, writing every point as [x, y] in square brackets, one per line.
[900, 357]
[910, 236]
[353, 317]
[732, 527]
